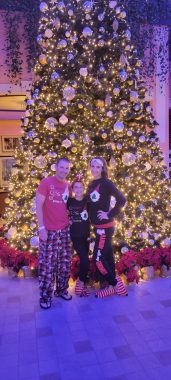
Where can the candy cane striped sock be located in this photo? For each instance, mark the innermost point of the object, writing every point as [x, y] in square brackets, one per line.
[108, 291]
[79, 287]
[120, 287]
[85, 292]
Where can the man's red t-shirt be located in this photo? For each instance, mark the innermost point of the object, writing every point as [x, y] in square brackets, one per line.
[55, 216]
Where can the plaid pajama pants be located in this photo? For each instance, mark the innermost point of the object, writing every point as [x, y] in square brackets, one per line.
[55, 257]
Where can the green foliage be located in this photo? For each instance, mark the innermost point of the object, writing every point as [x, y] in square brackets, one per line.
[15, 12]
[140, 12]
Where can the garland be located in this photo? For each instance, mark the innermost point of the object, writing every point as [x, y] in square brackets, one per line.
[140, 13]
[15, 12]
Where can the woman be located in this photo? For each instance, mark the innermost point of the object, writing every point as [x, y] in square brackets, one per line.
[105, 202]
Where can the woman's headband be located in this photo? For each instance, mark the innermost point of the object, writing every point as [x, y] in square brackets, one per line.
[97, 161]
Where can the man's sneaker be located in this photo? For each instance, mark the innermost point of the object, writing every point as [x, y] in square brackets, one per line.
[63, 294]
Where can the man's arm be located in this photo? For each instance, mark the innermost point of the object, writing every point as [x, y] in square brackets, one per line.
[39, 211]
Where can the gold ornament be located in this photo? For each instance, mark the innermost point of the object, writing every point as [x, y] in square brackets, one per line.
[42, 59]
[104, 135]
[37, 140]
[17, 193]
[74, 149]
[100, 103]
[80, 105]
[7, 201]
[25, 227]
[130, 82]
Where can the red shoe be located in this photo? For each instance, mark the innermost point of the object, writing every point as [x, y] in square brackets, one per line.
[108, 291]
[79, 287]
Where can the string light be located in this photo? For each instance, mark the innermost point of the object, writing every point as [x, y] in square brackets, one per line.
[102, 98]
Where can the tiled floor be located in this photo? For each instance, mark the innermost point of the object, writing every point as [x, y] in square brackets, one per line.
[87, 338]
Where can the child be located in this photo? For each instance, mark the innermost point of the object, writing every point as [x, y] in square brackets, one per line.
[80, 232]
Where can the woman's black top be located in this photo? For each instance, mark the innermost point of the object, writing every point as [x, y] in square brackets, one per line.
[104, 196]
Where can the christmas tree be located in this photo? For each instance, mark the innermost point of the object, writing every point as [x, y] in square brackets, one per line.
[88, 99]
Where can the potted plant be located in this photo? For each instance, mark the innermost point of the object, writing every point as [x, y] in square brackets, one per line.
[149, 260]
[165, 257]
[127, 267]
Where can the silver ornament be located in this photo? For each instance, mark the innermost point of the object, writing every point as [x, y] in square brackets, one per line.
[53, 167]
[115, 25]
[40, 162]
[145, 235]
[43, 6]
[123, 75]
[31, 134]
[128, 34]
[63, 120]
[88, 6]
[57, 23]
[87, 32]
[102, 68]
[137, 107]
[70, 12]
[51, 123]
[112, 4]
[116, 91]
[124, 250]
[70, 56]
[118, 126]
[128, 159]
[83, 71]
[69, 93]
[34, 241]
[48, 33]
[66, 143]
[133, 96]
[62, 44]
[142, 139]
[101, 17]
[61, 5]
[55, 75]
[109, 113]
[129, 133]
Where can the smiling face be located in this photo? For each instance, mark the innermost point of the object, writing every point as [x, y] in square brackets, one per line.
[78, 190]
[96, 169]
[62, 170]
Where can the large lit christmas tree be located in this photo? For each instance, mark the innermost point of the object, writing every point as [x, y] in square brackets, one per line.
[88, 99]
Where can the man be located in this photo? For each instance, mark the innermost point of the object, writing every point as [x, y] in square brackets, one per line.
[55, 251]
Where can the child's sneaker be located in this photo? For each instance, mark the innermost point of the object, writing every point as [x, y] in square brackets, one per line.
[108, 291]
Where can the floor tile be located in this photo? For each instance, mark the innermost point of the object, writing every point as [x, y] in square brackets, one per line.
[107, 339]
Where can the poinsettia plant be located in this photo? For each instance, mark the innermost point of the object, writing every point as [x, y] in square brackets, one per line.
[165, 256]
[149, 257]
[127, 265]
[13, 258]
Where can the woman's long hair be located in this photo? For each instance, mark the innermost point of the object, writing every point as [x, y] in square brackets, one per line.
[104, 168]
